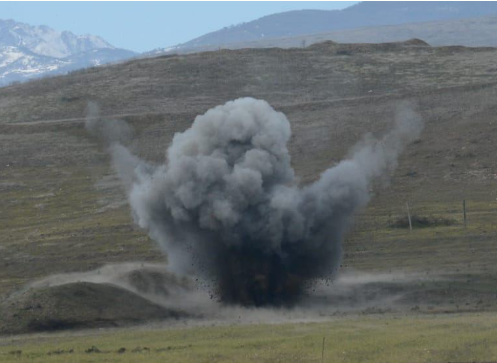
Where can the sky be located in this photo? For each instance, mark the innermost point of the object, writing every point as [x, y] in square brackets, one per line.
[143, 26]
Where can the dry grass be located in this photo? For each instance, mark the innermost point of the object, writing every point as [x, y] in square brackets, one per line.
[437, 338]
[62, 209]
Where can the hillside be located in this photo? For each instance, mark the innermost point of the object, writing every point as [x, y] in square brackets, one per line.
[192, 83]
[65, 211]
[364, 14]
[471, 32]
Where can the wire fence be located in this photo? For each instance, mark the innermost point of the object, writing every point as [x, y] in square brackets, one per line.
[411, 216]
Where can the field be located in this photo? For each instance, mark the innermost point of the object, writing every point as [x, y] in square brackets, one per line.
[377, 339]
[63, 210]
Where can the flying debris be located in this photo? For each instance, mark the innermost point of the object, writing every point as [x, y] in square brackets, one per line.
[227, 205]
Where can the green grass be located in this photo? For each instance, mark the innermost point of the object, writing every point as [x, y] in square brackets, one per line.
[54, 217]
[56, 223]
[56, 220]
[436, 338]
[450, 249]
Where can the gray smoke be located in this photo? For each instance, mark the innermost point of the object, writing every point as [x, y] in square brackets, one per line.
[226, 203]
[107, 130]
[114, 134]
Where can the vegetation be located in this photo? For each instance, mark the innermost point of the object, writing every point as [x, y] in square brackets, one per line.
[63, 209]
[402, 339]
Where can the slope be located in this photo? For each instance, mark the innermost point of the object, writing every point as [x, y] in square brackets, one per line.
[65, 212]
[364, 14]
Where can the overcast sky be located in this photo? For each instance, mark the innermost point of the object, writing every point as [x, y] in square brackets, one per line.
[142, 26]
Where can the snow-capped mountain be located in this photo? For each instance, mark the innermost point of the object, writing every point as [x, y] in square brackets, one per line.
[28, 52]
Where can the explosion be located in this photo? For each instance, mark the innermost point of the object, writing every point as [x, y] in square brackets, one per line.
[226, 203]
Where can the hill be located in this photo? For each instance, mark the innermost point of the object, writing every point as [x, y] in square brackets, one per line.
[64, 210]
[365, 14]
[471, 32]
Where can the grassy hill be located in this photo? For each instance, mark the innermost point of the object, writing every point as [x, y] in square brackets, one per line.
[363, 14]
[471, 32]
[63, 211]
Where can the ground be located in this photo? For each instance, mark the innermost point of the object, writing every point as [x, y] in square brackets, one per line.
[376, 339]
[63, 209]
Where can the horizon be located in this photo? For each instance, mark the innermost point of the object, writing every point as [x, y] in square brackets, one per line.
[148, 17]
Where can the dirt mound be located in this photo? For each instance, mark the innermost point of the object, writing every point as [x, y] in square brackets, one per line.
[415, 41]
[145, 279]
[352, 48]
[155, 281]
[77, 305]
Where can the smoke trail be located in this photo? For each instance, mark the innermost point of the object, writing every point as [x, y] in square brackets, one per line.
[114, 134]
[107, 131]
[226, 201]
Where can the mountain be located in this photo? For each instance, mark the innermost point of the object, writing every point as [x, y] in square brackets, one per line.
[364, 14]
[28, 52]
[470, 32]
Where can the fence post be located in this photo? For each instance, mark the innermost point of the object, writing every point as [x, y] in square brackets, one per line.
[464, 211]
[322, 351]
[409, 216]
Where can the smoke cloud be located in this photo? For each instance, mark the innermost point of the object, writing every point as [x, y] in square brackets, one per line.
[226, 204]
